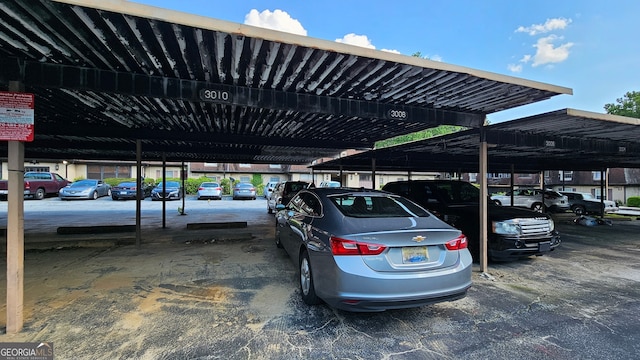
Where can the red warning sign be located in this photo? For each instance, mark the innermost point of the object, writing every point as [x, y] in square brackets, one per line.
[16, 116]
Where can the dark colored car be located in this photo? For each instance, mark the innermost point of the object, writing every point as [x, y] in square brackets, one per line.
[582, 203]
[366, 250]
[128, 190]
[172, 191]
[283, 192]
[513, 233]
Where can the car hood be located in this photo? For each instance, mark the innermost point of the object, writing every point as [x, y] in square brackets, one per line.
[494, 212]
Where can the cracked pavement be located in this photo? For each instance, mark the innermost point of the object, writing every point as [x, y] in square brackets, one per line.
[239, 299]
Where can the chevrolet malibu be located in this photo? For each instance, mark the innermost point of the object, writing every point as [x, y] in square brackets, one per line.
[366, 250]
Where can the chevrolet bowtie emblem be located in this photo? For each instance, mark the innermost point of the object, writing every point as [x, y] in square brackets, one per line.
[419, 238]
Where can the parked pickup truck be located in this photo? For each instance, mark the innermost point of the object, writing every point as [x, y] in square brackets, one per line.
[584, 203]
[37, 185]
[512, 232]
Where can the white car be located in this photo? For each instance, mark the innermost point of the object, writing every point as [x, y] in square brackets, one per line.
[532, 199]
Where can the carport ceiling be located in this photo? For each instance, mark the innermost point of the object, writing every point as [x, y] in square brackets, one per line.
[561, 140]
[108, 73]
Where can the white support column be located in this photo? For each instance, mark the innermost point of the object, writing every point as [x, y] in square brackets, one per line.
[15, 238]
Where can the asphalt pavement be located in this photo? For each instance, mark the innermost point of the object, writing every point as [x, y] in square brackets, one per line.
[211, 297]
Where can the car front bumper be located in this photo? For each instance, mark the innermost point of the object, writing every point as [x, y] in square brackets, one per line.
[506, 248]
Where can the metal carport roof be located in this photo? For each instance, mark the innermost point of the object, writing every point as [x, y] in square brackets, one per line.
[566, 139]
[107, 73]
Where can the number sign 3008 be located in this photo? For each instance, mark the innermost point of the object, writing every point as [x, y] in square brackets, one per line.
[398, 114]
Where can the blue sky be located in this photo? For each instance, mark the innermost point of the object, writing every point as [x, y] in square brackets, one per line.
[591, 46]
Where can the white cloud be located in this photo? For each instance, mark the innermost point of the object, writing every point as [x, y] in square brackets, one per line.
[547, 53]
[516, 68]
[391, 51]
[276, 20]
[549, 25]
[435, 58]
[358, 40]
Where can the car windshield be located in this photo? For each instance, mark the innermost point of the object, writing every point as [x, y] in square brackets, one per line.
[588, 196]
[170, 184]
[84, 183]
[367, 206]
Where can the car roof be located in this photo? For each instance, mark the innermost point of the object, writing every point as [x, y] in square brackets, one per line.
[328, 191]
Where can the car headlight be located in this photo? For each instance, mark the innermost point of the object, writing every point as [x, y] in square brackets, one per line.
[552, 225]
[508, 227]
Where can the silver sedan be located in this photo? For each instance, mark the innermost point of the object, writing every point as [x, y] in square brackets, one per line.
[85, 189]
[371, 251]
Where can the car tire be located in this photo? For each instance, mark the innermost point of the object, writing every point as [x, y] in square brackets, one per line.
[94, 196]
[114, 197]
[497, 202]
[109, 192]
[269, 210]
[537, 207]
[39, 195]
[307, 287]
[579, 210]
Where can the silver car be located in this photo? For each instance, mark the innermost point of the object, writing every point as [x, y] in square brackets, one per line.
[244, 191]
[209, 190]
[371, 251]
[85, 189]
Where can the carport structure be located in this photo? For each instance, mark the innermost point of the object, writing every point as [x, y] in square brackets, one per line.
[118, 80]
[566, 139]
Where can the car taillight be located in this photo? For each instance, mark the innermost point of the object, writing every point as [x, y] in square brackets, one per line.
[340, 246]
[200, 188]
[219, 188]
[27, 185]
[458, 243]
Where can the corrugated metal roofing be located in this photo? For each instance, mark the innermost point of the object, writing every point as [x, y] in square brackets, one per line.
[561, 140]
[106, 73]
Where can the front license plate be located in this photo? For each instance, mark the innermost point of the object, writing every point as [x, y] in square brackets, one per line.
[545, 246]
[414, 254]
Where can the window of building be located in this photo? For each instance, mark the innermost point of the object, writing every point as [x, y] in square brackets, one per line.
[245, 179]
[274, 179]
[169, 174]
[275, 166]
[36, 169]
[244, 165]
[597, 175]
[211, 164]
[568, 175]
[108, 171]
[306, 177]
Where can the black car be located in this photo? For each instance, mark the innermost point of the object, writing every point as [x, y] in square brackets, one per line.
[512, 232]
[128, 190]
[172, 191]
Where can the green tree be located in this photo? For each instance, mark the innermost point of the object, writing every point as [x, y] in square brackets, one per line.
[424, 134]
[628, 105]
